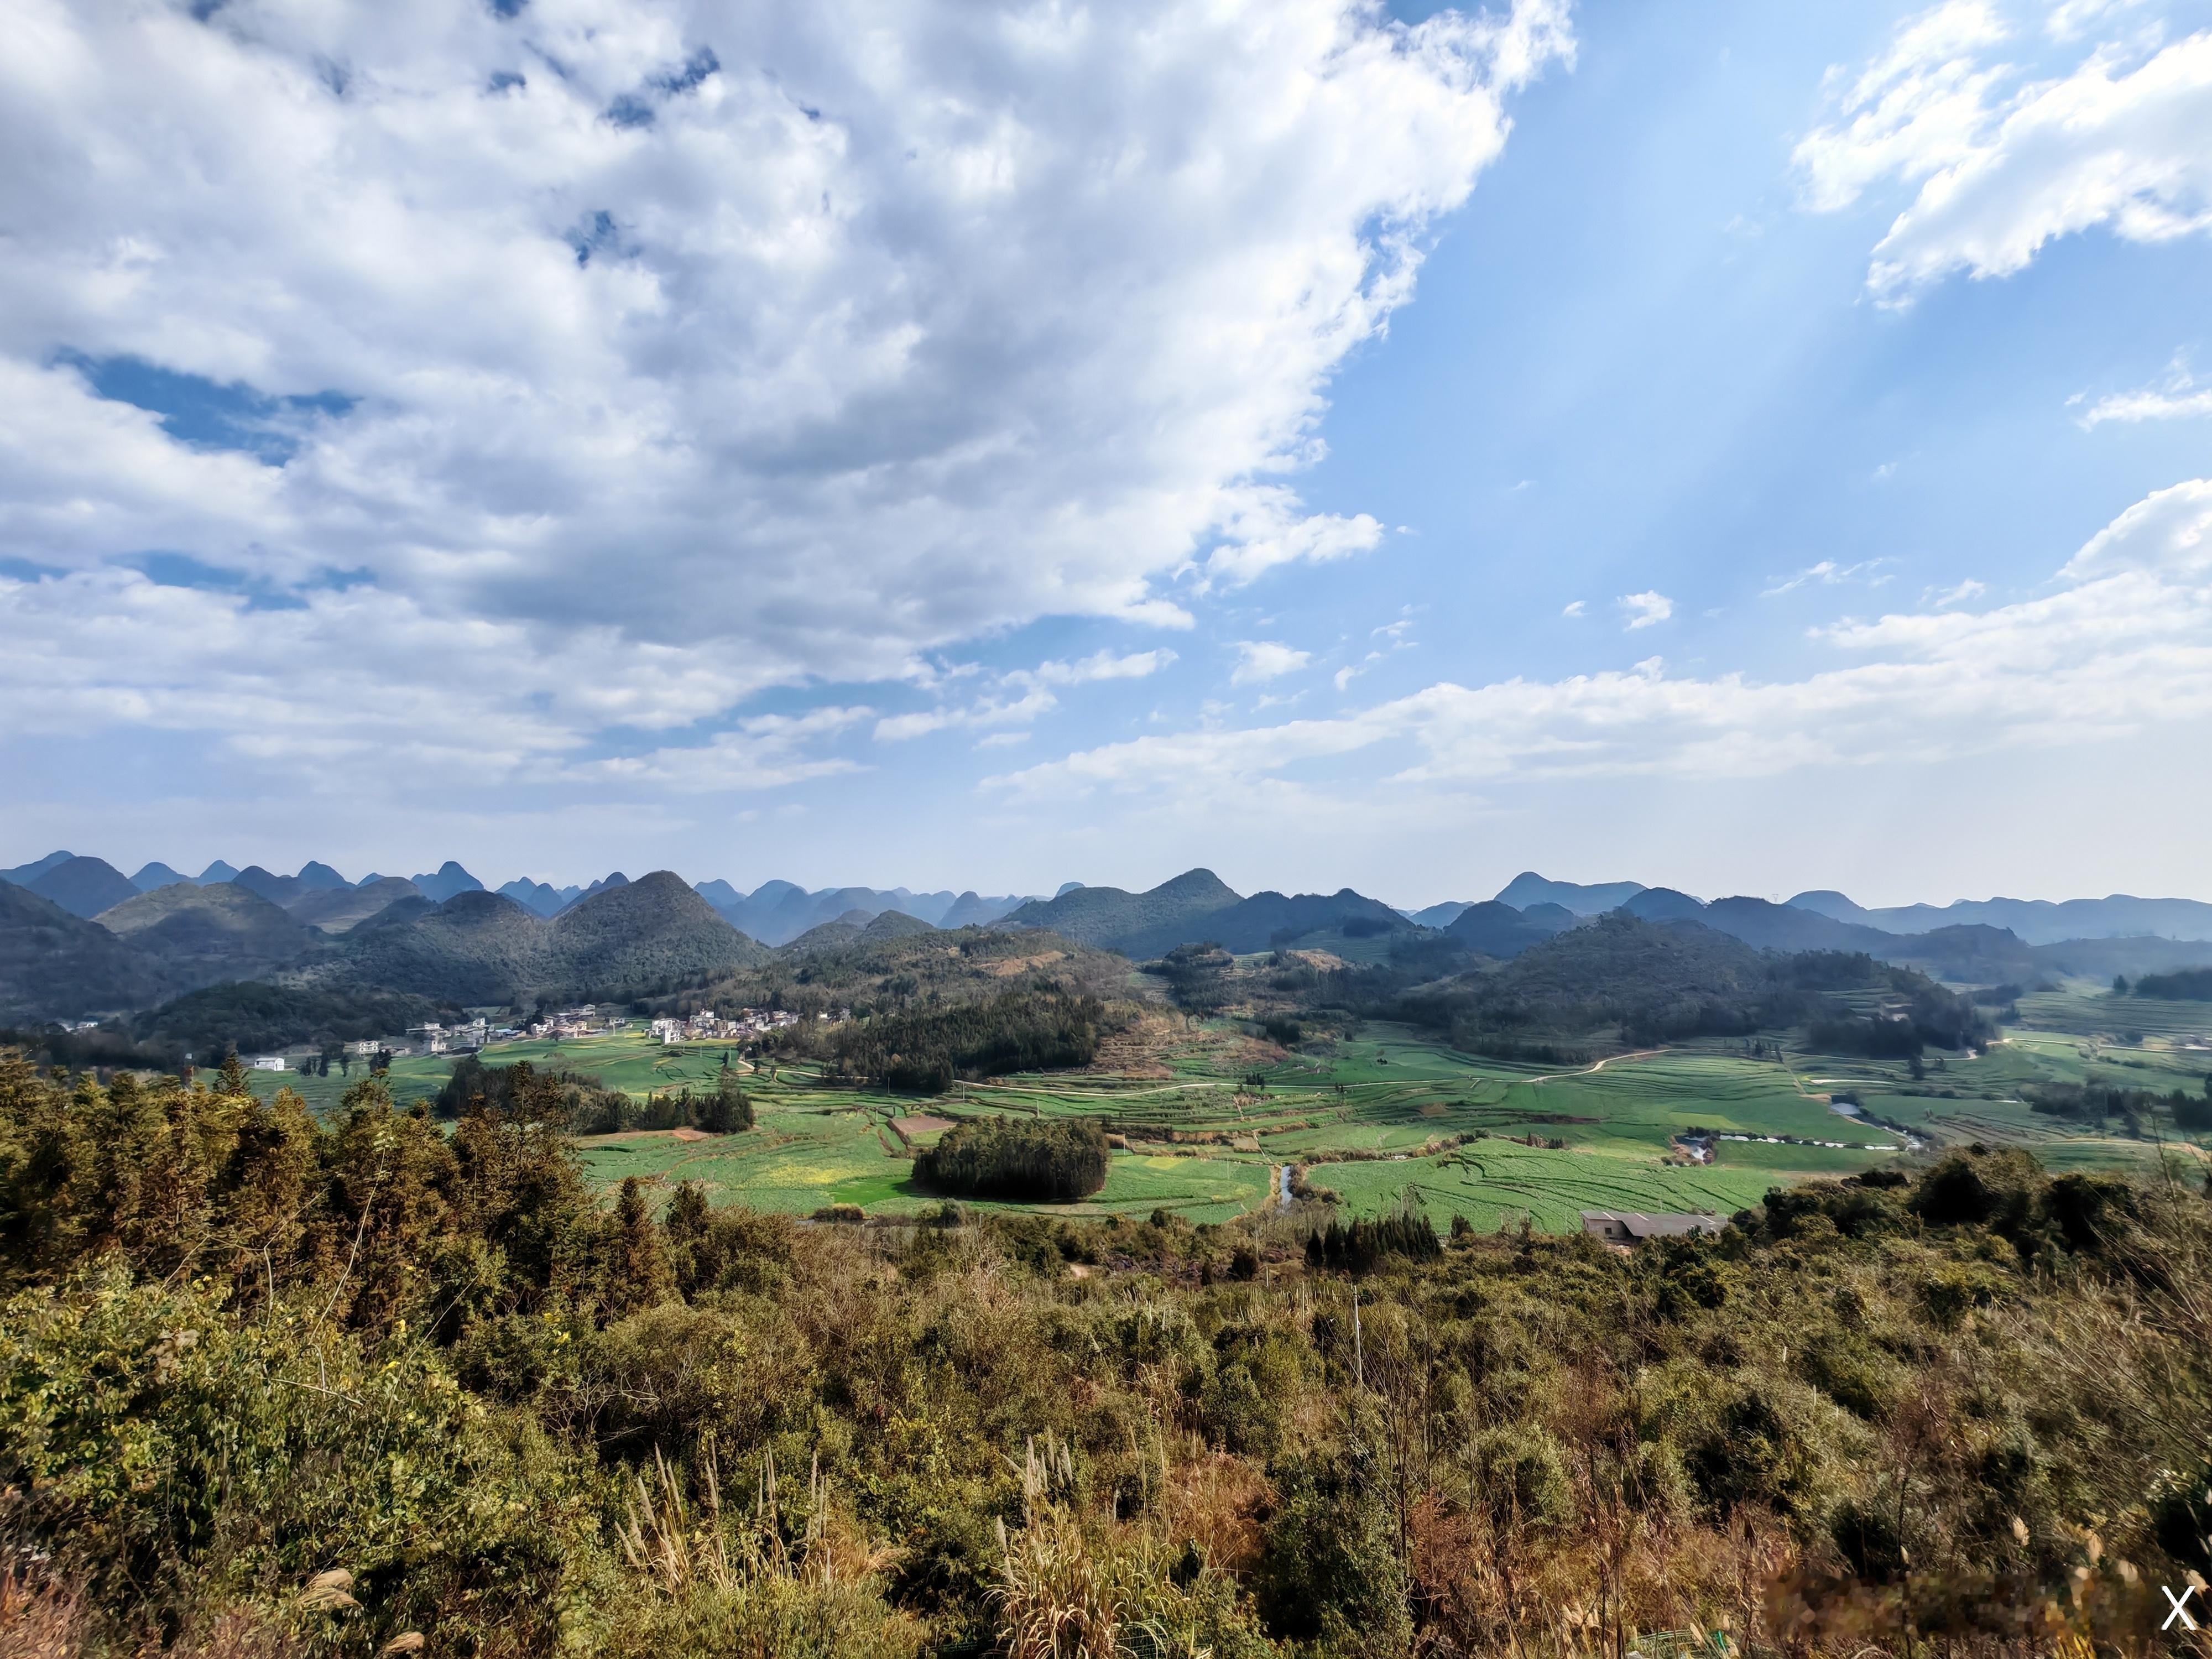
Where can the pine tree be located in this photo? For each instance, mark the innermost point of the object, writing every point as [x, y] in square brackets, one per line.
[638, 1271]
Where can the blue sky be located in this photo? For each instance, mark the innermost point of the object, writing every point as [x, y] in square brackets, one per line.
[1741, 448]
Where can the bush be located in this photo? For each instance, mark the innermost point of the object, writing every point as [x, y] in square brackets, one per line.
[1329, 1573]
[1021, 1159]
[166, 1455]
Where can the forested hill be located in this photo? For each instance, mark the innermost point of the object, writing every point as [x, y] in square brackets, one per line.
[887, 967]
[224, 931]
[1197, 908]
[1493, 929]
[482, 948]
[1267, 920]
[54, 965]
[1619, 958]
[1622, 980]
[1106, 915]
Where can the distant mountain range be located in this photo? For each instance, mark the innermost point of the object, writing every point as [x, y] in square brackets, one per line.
[774, 913]
[778, 912]
[476, 948]
[78, 937]
[2037, 921]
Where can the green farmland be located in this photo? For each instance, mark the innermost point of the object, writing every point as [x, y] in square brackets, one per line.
[1390, 1118]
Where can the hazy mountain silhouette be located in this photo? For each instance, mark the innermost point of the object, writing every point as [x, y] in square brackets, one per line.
[84, 886]
[1528, 887]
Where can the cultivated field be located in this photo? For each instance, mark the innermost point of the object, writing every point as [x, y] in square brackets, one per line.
[1393, 1117]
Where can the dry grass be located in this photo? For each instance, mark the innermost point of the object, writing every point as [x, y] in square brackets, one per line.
[1216, 1502]
[43, 1617]
[39, 1619]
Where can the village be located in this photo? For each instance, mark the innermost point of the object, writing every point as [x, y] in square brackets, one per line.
[748, 1025]
[584, 1020]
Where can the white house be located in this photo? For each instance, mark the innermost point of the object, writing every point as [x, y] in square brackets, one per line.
[268, 1062]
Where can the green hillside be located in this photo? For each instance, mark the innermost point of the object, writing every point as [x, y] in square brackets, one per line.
[640, 939]
[1103, 915]
[206, 934]
[474, 949]
[56, 966]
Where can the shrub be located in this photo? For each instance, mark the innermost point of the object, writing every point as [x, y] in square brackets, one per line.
[1329, 1573]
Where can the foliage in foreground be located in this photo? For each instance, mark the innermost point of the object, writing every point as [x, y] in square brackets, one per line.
[268, 1387]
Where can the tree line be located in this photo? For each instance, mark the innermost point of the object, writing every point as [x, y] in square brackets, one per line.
[924, 1050]
[586, 1106]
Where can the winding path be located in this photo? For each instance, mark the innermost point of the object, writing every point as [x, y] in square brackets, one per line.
[1553, 1076]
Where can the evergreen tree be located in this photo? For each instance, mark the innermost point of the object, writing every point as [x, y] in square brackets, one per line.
[639, 1274]
[727, 1111]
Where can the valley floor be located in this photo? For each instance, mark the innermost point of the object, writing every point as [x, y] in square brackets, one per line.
[1393, 1118]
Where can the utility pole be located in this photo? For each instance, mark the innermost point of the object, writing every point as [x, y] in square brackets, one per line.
[1358, 1347]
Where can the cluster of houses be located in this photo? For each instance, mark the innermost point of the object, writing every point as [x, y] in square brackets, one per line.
[583, 1021]
[706, 1026]
[436, 1039]
[747, 1026]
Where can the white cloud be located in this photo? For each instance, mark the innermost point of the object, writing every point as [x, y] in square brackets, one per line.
[345, 675]
[2131, 406]
[1394, 637]
[1828, 573]
[1265, 659]
[1917, 107]
[1574, 609]
[764, 752]
[897, 327]
[2004, 164]
[1268, 526]
[2167, 534]
[2177, 397]
[2072, 19]
[1645, 610]
[1020, 695]
[1099, 666]
[2125, 647]
[997, 709]
[1967, 589]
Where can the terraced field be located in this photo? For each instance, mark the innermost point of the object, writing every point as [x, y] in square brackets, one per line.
[1391, 1118]
[2083, 1007]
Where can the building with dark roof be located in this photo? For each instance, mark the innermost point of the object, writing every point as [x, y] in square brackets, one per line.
[1627, 1226]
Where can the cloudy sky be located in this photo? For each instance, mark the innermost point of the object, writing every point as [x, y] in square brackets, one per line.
[1740, 446]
